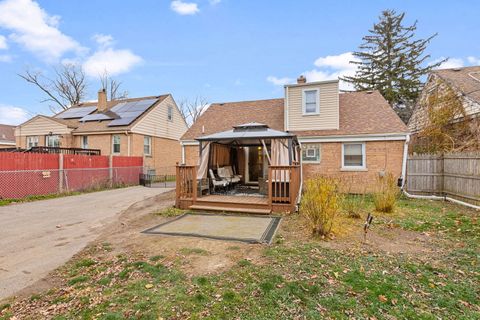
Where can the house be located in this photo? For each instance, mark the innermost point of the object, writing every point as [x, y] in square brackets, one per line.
[353, 136]
[147, 126]
[7, 136]
[465, 83]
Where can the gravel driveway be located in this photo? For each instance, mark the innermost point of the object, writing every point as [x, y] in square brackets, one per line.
[37, 237]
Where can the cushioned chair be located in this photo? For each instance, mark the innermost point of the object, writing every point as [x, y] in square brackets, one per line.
[217, 182]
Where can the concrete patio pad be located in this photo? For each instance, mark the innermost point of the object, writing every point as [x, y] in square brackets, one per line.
[252, 229]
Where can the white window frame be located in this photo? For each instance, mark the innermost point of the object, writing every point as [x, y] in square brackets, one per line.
[119, 144]
[49, 137]
[35, 141]
[149, 139]
[315, 150]
[304, 100]
[82, 142]
[363, 167]
[170, 113]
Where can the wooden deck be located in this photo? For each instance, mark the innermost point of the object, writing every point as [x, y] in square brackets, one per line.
[234, 199]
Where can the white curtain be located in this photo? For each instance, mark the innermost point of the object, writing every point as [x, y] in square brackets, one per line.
[203, 162]
[280, 158]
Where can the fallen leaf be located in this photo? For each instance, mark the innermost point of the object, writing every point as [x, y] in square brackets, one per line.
[149, 286]
[382, 298]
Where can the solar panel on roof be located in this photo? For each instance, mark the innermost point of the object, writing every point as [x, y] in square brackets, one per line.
[121, 122]
[129, 111]
[77, 112]
[95, 117]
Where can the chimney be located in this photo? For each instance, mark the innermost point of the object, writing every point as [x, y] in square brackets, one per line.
[301, 79]
[102, 100]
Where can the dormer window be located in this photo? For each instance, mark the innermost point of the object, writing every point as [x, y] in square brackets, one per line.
[311, 101]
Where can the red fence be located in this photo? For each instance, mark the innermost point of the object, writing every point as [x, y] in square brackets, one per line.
[25, 174]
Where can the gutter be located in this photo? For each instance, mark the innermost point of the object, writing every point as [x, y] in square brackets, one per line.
[404, 161]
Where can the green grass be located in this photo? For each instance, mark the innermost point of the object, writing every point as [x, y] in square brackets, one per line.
[170, 212]
[296, 279]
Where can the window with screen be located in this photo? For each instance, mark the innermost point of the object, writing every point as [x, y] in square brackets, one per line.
[52, 141]
[311, 153]
[84, 142]
[170, 113]
[310, 102]
[147, 146]
[32, 141]
[353, 155]
[116, 144]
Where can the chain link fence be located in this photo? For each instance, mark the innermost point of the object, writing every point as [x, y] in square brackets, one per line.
[22, 183]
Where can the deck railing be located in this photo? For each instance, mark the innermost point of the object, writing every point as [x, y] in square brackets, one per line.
[283, 184]
[186, 187]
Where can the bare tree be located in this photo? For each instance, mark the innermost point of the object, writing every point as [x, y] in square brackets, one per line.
[112, 87]
[192, 109]
[68, 88]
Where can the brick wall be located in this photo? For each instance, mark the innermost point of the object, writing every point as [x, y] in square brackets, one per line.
[165, 153]
[380, 156]
[191, 155]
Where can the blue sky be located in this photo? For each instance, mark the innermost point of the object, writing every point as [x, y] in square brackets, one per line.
[223, 50]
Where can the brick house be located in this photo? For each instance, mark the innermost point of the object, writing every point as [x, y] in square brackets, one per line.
[354, 136]
[465, 83]
[7, 136]
[148, 126]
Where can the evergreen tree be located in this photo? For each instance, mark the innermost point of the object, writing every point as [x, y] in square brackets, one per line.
[392, 61]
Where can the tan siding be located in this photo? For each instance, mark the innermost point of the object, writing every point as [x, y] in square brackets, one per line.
[155, 123]
[329, 111]
[41, 127]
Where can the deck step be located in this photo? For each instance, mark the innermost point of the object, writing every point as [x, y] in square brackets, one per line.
[229, 209]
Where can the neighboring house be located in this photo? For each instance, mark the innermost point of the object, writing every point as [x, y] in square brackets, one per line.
[465, 82]
[7, 136]
[355, 136]
[146, 126]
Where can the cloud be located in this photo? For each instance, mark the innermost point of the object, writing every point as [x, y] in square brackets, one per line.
[214, 2]
[110, 60]
[12, 115]
[473, 60]
[35, 30]
[279, 81]
[103, 40]
[3, 42]
[449, 64]
[327, 68]
[5, 58]
[184, 8]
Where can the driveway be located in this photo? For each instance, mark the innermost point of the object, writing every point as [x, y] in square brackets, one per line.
[37, 237]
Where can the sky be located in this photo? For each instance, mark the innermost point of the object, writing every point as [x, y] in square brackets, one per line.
[221, 50]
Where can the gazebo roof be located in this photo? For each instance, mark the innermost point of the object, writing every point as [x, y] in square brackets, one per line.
[247, 131]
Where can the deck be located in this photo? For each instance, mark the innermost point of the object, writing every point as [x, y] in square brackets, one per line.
[283, 192]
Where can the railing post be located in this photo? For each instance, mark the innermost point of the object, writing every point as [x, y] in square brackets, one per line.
[177, 185]
[270, 178]
[194, 178]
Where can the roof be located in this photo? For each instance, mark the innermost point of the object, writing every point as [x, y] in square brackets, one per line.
[466, 79]
[223, 116]
[7, 134]
[103, 125]
[247, 131]
[363, 112]
[360, 113]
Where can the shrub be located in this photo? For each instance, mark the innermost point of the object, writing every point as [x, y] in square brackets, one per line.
[386, 193]
[320, 204]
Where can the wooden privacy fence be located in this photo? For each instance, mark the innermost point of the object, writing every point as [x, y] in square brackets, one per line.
[455, 175]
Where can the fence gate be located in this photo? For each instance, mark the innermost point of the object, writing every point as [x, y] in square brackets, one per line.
[157, 180]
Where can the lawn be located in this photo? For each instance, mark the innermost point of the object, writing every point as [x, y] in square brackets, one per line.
[295, 278]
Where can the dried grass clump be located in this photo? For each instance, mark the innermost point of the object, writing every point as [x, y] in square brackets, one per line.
[320, 204]
[353, 205]
[386, 194]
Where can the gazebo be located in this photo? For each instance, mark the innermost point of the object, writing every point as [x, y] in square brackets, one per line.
[250, 168]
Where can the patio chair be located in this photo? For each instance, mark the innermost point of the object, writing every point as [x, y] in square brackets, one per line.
[235, 177]
[216, 182]
[227, 174]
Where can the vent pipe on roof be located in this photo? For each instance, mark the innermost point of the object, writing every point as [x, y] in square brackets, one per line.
[102, 100]
[301, 79]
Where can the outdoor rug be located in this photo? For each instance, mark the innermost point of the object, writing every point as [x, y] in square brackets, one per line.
[245, 228]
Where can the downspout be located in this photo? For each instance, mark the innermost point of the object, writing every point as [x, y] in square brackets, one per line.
[183, 153]
[404, 162]
[441, 198]
[301, 174]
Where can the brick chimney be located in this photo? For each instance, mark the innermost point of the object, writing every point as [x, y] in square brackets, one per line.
[102, 100]
[301, 79]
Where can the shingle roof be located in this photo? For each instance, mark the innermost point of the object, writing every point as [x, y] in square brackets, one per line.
[360, 113]
[7, 133]
[223, 116]
[100, 126]
[466, 79]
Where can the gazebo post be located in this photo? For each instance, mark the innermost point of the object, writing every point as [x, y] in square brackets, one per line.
[290, 151]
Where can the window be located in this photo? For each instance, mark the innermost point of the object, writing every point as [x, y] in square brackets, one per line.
[170, 113]
[353, 156]
[147, 146]
[32, 141]
[84, 142]
[53, 141]
[116, 144]
[311, 104]
[311, 153]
